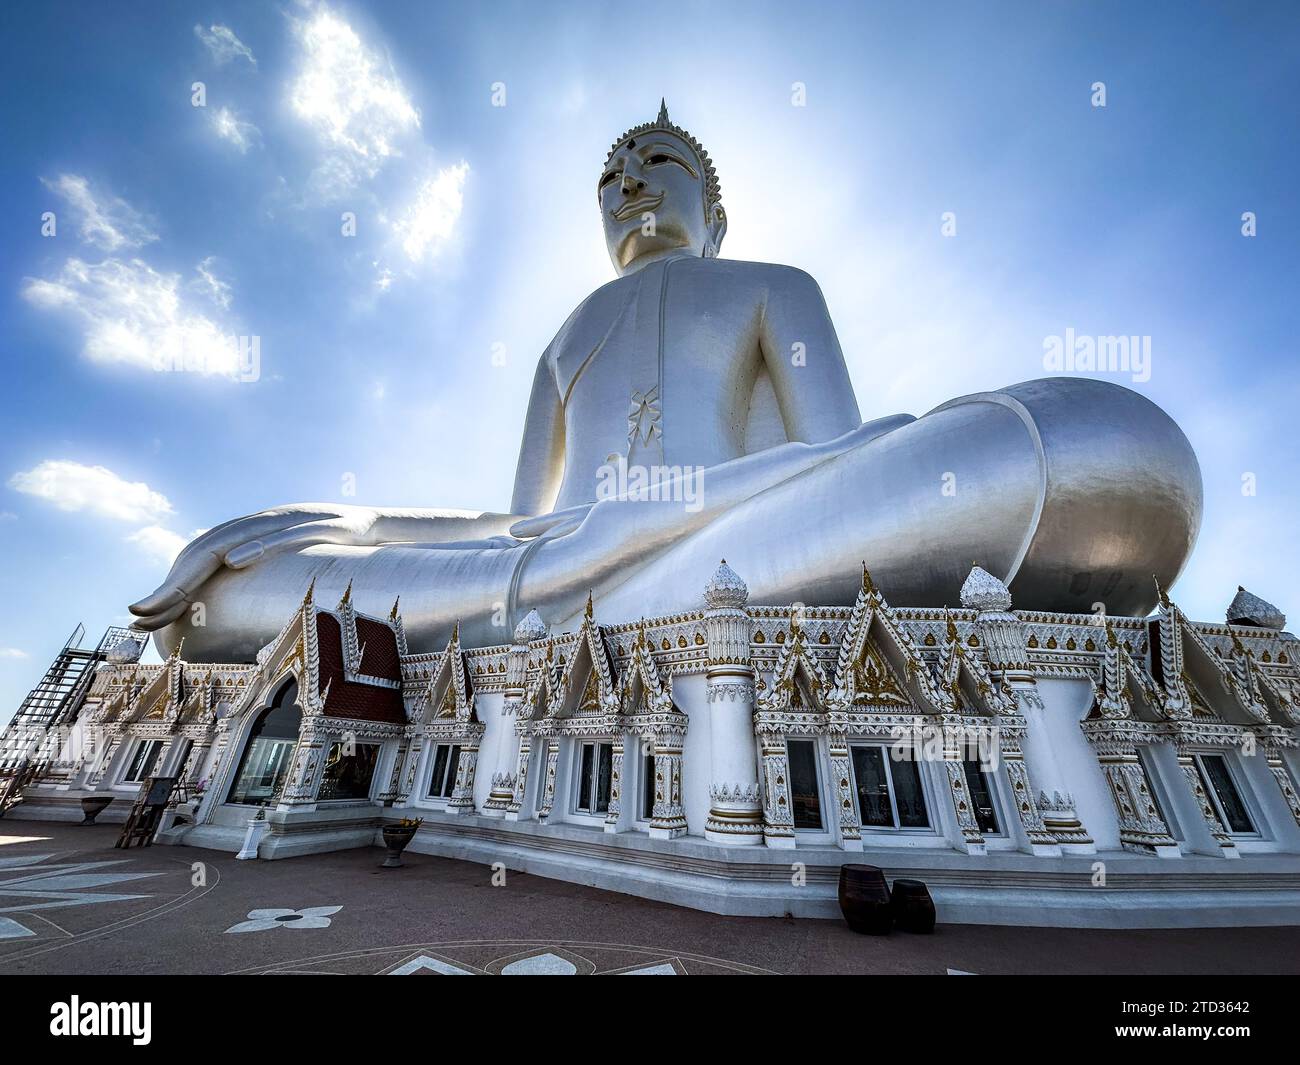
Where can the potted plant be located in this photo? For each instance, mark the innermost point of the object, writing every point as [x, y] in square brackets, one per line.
[93, 806]
[396, 837]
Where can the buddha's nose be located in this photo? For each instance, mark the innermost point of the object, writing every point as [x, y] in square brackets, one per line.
[631, 184]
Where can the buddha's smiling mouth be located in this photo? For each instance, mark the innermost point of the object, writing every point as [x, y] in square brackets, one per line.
[636, 207]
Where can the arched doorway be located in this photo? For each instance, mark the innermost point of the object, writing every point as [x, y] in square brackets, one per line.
[269, 750]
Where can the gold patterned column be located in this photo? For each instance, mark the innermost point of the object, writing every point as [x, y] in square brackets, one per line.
[519, 784]
[668, 818]
[615, 788]
[548, 780]
[842, 779]
[462, 792]
[1284, 782]
[1042, 841]
[971, 840]
[778, 819]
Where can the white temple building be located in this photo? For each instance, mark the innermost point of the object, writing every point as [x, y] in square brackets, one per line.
[1032, 768]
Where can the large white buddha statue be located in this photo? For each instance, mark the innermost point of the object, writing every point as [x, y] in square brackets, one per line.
[721, 385]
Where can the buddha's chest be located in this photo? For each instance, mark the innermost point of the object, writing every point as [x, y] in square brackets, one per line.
[664, 340]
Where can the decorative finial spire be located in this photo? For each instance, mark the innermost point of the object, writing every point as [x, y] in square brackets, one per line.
[176, 651]
[311, 590]
[1248, 609]
[530, 629]
[455, 632]
[588, 611]
[984, 592]
[347, 594]
[662, 120]
[868, 585]
[725, 589]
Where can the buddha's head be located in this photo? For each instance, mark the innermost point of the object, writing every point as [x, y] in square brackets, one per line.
[659, 195]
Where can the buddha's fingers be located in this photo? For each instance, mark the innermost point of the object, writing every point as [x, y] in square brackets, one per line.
[207, 554]
[157, 621]
[331, 531]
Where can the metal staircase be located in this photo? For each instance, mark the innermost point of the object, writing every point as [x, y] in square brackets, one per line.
[54, 703]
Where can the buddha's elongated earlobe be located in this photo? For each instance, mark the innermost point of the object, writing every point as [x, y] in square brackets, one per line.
[717, 230]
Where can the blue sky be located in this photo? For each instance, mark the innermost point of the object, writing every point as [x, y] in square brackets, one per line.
[477, 233]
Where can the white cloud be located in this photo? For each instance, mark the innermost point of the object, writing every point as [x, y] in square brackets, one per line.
[158, 544]
[132, 314]
[12, 652]
[210, 285]
[74, 486]
[223, 44]
[230, 127]
[106, 221]
[352, 98]
[430, 221]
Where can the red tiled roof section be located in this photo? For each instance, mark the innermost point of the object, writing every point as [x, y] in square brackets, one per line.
[361, 702]
[380, 658]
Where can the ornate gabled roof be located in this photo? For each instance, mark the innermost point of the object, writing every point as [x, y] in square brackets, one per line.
[795, 663]
[963, 678]
[449, 696]
[725, 590]
[1248, 609]
[874, 633]
[1124, 682]
[641, 675]
[588, 679]
[160, 698]
[983, 592]
[544, 687]
[1196, 682]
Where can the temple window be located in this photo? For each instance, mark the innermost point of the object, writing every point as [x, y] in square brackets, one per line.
[595, 776]
[348, 775]
[269, 750]
[142, 762]
[1217, 779]
[647, 787]
[890, 793]
[442, 781]
[805, 793]
[979, 784]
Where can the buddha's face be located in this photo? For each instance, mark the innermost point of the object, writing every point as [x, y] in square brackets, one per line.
[652, 202]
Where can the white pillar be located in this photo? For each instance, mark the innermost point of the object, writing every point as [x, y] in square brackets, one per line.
[504, 772]
[735, 810]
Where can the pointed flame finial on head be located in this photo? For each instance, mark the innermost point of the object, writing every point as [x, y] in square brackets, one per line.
[662, 118]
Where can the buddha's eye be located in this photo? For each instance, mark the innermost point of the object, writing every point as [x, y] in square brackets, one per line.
[611, 175]
[659, 158]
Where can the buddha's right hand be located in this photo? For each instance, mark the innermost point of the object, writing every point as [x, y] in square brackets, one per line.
[242, 542]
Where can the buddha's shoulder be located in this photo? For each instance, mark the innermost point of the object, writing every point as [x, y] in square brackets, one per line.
[760, 276]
